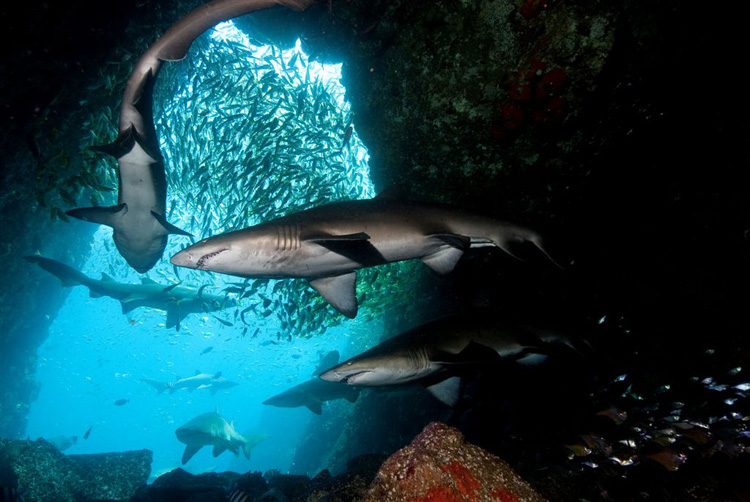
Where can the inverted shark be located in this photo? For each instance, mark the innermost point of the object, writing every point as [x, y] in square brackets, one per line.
[213, 383]
[312, 394]
[211, 429]
[177, 300]
[138, 219]
[327, 244]
[437, 353]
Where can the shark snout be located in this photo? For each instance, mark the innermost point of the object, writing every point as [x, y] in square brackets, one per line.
[183, 259]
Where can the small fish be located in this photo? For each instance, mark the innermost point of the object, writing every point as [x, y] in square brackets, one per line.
[121, 402]
[347, 136]
[88, 433]
[207, 350]
[222, 321]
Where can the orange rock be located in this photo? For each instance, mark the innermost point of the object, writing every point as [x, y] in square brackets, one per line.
[439, 466]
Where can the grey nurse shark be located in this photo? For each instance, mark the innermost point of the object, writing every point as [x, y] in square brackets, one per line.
[211, 429]
[213, 383]
[312, 394]
[138, 219]
[177, 300]
[327, 244]
[437, 353]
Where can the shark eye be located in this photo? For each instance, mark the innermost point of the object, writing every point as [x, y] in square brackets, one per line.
[348, 363]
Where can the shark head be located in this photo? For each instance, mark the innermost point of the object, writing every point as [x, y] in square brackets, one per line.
[142, 256]
[376, 368]
[240, 253]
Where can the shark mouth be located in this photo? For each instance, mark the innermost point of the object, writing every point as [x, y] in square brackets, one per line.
[352, 379]
[201, 263]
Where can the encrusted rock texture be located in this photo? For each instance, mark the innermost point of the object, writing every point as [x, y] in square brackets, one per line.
[439, 466]
[44, 473]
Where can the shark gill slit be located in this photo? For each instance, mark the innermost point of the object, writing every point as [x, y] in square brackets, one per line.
[288, 237]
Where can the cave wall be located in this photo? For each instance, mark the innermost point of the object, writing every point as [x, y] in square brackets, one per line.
[617, 128]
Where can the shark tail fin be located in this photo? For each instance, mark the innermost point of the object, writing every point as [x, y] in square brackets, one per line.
[68, 276]
[251, 441]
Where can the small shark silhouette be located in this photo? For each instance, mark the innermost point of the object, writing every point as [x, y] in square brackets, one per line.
[177, 300]
[211, 429]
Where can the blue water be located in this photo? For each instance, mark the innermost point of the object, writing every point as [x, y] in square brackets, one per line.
[95, 355]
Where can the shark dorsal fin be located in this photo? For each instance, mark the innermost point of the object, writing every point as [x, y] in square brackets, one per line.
[147, 280]
[339, 291]
[107, 277]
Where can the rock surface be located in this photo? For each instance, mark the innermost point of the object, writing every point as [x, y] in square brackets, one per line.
[44, 473]
[440, 466]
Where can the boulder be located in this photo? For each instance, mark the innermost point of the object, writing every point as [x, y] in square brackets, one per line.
[439, 465]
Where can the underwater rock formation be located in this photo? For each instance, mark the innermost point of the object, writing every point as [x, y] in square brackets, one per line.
[273, 486]
[440, 465]
[44, 473]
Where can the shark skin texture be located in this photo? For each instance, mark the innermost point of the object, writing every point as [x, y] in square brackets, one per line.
[138, 220]
[327, 244]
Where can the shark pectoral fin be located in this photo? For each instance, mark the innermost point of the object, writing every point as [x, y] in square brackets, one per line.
[101, 215]
[447, 391]
[339, 291]
[356, 247]
[219, 449]
[314, 406]
[190, 450]
[171, 229]
[322, 238]
[128, 307]
[352, 397]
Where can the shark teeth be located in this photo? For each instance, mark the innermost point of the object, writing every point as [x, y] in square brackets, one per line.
[201, 263]
[351, 379]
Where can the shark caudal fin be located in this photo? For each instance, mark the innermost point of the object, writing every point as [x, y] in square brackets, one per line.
[251, 441]
[68, 276]
[159, 386]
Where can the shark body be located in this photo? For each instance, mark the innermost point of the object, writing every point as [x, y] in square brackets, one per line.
[211, 429]
[213, 383]
[436, 353]
[327, 244]
[312, 394]
[138, 219]
[178, 301]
